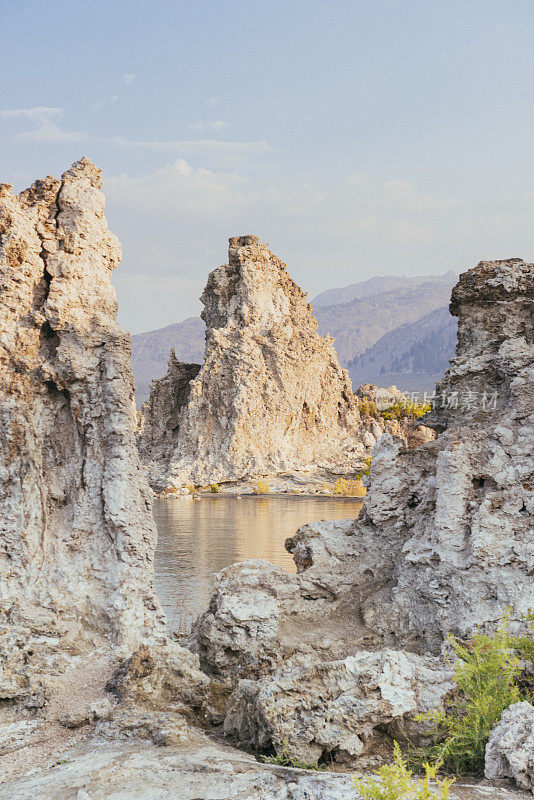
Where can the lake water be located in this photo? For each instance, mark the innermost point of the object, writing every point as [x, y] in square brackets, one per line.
[197, 538]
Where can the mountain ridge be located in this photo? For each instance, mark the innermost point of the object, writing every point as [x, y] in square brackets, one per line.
[356, 325]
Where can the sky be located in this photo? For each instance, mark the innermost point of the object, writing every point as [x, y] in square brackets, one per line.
[356, 138]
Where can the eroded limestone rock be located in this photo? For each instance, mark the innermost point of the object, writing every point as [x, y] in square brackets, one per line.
[444, 543]
[108, 772]
[510, 749]
[270, 396]
[77, 533]
[338, 707]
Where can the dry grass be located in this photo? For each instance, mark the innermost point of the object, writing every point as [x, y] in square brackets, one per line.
[346, 487]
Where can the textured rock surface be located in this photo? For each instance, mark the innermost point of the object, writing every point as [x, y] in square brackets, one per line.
[110, 771]
[444, 543]
[510, 750]
[77, 533]
[339, 707]
[159, 419]
[270, 396]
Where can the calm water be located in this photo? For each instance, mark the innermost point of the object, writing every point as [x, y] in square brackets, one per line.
[197, 538]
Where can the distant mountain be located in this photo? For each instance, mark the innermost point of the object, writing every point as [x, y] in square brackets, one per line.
[358, 324]
[357, 316]
[150, 351]
[411, 357]
[378, 285]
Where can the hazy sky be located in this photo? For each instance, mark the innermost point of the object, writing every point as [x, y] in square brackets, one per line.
[357, 138]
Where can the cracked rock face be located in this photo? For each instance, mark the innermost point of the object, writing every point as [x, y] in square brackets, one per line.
[77, 533]
[270, 396]
[444, 543]
[510, 749]
[359, 697]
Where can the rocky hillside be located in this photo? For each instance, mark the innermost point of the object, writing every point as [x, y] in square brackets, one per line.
[358, 324]
[413, 356]
[378, 285]
[357, 316]
[77, 532]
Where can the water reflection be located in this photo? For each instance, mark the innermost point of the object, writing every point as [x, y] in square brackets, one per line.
[197, 538]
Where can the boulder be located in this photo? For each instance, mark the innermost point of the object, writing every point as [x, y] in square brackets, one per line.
[510, 749]
[346, 708]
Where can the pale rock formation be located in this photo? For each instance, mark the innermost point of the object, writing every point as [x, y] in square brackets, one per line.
[341, 707]
[443, 545]
[510, 749]
[77, 533]
[205, 770]
[409, 429]
[159, 419]
[270, 396]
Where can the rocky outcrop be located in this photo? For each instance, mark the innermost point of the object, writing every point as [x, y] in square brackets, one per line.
[189, 773]
[159, 419]
[270, 396]
[78, 537]
[443, 544]
[510, 750]
[349, 708]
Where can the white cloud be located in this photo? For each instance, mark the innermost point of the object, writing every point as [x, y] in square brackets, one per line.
[217, 125]
[39, 113]
[128, 77]
[178, 189]
[46, 129]
[50, 133]
[174, 222]
[213, 102]
[200, 145]
[102, 103]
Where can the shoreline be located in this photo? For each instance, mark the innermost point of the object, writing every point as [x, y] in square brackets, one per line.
[266, 496]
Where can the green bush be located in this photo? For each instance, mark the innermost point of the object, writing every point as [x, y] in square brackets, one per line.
[366, 470]
[368, 408]
[405, 410]
[525, 644]
[284, 759]
[214, 488]
[352, 487]
[486, 672]
[395, 782]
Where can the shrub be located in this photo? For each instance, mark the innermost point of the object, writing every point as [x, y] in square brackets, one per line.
[214, 488]
[366, 470]
[368, 408]
[405, 410]
[486, 673]
[261, 488]
[525, 644]
[284, 759]
[395, 782]
[190, 488]
[350, 488]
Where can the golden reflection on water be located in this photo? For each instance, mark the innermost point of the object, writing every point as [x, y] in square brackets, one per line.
[198, 538]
